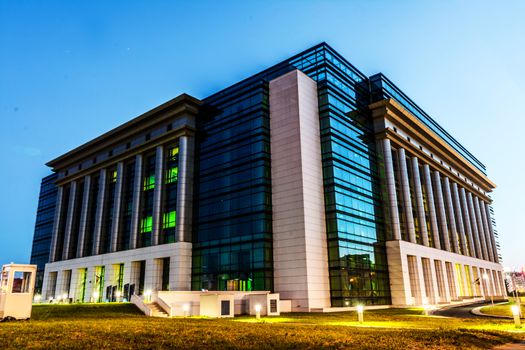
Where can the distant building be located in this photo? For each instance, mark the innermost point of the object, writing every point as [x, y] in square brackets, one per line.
[309, 179]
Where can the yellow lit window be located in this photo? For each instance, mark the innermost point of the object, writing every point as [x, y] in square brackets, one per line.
[173, 153]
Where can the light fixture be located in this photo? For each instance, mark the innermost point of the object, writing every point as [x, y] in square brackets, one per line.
[147, 295]
[257, 311]
[95, 297]
[65, 297]
[360, 309]
[186, 309]
[516, 313]
[118, 294]
[38, 297]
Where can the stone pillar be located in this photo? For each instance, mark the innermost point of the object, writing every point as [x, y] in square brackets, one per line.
[481, 229]
[135, 214]
[491, 230]
[459, 218]
[444, 275]
[441, 211]
[452, 217]
[488, 237]
[466, 221]
[157, 196]
[56, 223]
[69, 220]
[100, 212]
[83, 216]
[474, 226]
[153, 275]
[407, 202]
[418, 193]
[115, 223]
[185, 189]
[431, 207]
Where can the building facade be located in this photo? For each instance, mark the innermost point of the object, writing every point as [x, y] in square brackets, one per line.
[309, 179]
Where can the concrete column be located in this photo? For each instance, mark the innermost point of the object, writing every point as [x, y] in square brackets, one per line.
[391, 189]
[452, 216]
[441, 211]
[474, 226]
[466, 287]
[431, 207]
[422, 282]
[185, 189]
[502, 284]
[444, 275]
[477, 276]
[83, 216]
[115, 224]
[69, 220]
[99, 212]
[157, 195]
[481, 229]
[418, 193]
[135, 214]
[407, 202]
[180, 268]
[497, 290]
[488, 237]
[466, 221]
[459, 218]
[398, 270]
[73, 289]
[491, 230]
[56, 223]
[153, 275]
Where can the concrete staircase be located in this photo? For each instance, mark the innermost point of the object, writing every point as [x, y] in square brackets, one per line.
[156, 310]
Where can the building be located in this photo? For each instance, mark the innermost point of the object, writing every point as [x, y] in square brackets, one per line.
[309, 179]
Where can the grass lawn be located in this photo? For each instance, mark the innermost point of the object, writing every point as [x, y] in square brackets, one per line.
[503, 309]
[121, 326]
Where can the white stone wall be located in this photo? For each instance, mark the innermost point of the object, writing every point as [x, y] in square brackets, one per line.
[179, 275]
[299, 232]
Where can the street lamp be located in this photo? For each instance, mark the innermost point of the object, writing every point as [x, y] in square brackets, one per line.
[486, 278]
[360, 309]
[516, 313]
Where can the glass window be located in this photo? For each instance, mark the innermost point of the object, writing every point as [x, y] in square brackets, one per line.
[149, 182]
[147, 224]
[170, 219]
[172, 175]
[21, 282]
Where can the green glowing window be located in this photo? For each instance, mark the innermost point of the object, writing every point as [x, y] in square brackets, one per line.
[173, 153]
[114, 176]
[147, 224]
[172, 175]
[170, 219]
[149, 182]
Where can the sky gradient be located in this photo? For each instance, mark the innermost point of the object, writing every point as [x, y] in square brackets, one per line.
[71, 70]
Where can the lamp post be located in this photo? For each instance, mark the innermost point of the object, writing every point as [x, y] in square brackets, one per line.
[516, 313]
[486, 278]
[258, 311]
[360, 309]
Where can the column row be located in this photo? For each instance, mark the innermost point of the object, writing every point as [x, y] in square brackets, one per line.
[427, 208]
[131, 204]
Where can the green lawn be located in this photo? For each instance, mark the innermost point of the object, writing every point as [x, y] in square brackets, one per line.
[121, 326]
[503, 309]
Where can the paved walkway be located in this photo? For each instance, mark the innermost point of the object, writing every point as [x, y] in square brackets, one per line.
[462, 311]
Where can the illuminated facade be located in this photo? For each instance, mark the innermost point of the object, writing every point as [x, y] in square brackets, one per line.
[308, 179]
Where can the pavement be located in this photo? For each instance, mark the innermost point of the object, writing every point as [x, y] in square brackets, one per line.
[463, 311]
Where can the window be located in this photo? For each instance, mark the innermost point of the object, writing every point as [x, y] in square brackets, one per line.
[225, 307]
[146, 224]
[21, 282]
[149, 182]
[172, 175]
[170, 219]
[114, 176]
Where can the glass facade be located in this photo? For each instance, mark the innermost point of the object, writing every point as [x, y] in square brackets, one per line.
[233, 246]
[45, 216]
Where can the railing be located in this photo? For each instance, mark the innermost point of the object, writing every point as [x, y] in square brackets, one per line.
[167, 308]
[137, 300]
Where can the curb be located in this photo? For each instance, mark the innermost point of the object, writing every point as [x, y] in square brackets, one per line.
[477, 311]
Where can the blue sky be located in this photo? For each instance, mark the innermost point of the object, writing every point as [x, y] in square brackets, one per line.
[70, 70]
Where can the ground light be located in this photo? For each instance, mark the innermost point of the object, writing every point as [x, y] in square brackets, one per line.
[186, 309]
[64, 297]
[516, 313]
[426, 307]
[95, 297]
[118, 294]
[38, 297]
[147, 296]
[360, 309]
[257, 311]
